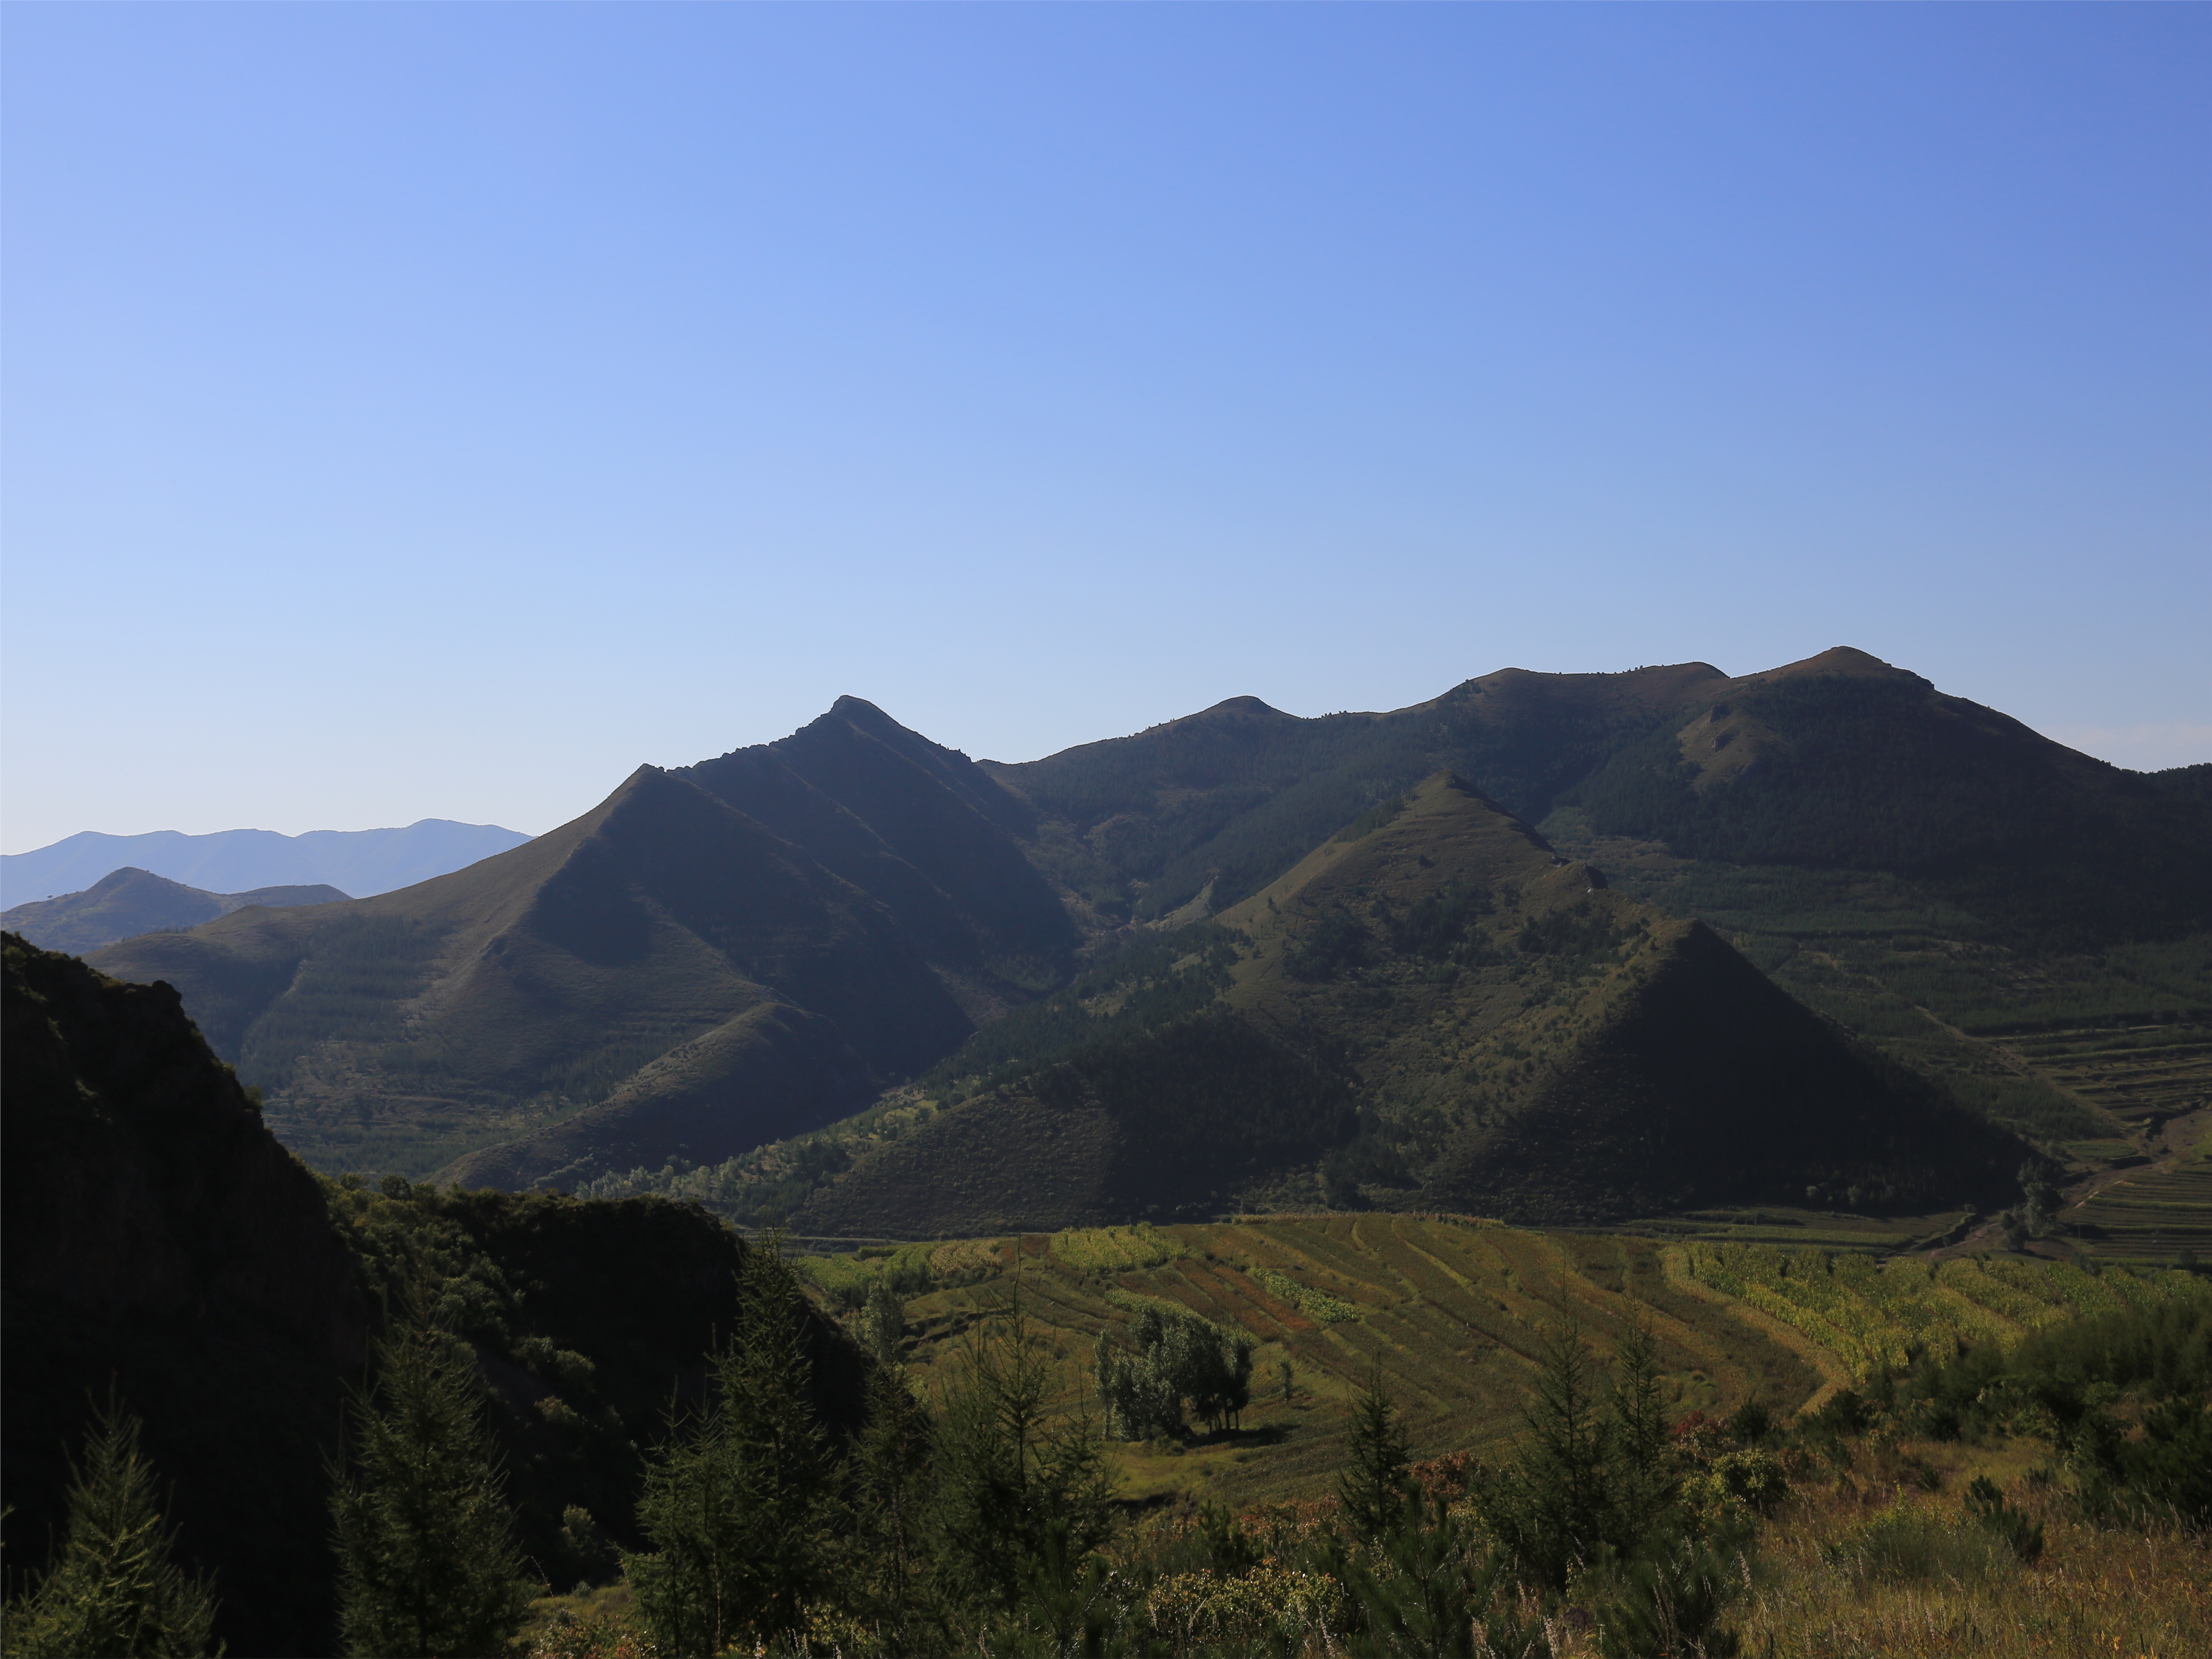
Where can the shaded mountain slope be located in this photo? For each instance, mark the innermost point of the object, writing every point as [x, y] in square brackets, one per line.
[924, 831]
[1431, 1009]
[1168, 1123]
[1536, 1045]
[159, 1242]
[498, 1002]
[124, 903]
[1230, 797]
[1843, 761]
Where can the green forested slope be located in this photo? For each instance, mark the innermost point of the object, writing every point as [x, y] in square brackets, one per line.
[1435, 1012]
[1930, 873]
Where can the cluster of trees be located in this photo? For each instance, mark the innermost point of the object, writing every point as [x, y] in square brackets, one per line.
[1181, 1362]
[2037, 1213]
[1442, 927]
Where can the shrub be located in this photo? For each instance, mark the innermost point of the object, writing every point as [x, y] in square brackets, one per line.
[2022, 1534]
[1912, 1543]
[1736, 1483]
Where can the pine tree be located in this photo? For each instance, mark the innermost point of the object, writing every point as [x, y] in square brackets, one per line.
[1021, 1489]
[116, 1590]
[739, 1508]
[1551, 1509]
[1644, 1477]
[889, 1488]
[427, 1560]
[1372, 1488]
[883, 1319]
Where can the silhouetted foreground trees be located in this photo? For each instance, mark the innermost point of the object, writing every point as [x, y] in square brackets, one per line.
[980, 1520]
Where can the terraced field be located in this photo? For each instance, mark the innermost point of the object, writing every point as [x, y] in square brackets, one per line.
[1877, 1316]
[2136, 1073]
[1451, 1314]
[1776, 1224]
[2154, 1213]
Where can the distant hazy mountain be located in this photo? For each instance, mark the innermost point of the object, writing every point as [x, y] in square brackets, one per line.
[128, 903]
[362, 861]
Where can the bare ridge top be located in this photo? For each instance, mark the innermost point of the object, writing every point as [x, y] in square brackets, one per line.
[1836, 660]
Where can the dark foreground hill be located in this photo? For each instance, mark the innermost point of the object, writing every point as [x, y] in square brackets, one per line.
[710, 960]
[160, 1243]
[157, 1235]
[126, 903]
[1430, 1011]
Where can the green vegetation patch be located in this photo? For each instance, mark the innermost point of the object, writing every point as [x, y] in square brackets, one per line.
[1317, 1305]
[1117, 1250]
[1882, 1316]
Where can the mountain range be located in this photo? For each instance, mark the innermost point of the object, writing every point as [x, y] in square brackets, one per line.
[1434, 1011]
[359, 861]
[126, 903]
[721, 957]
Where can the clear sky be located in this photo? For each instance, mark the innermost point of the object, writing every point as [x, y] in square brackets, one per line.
[437, 411]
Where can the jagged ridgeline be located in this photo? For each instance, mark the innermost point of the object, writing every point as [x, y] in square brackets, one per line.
[720, 962]
[1431, 1009]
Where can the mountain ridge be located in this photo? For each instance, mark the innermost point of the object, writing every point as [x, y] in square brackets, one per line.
[128, 902]
[567, 1009]
[665, 970]
[364, 862]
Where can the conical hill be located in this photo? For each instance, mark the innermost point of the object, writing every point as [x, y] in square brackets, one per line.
[1433, 1009]
[669, 975]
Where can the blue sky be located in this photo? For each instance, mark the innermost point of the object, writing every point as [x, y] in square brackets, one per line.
[437, 411]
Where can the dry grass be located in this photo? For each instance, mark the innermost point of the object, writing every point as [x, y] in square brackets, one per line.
[2092, 1592]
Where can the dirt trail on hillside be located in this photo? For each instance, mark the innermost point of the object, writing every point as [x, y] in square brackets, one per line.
[2177, 1136]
